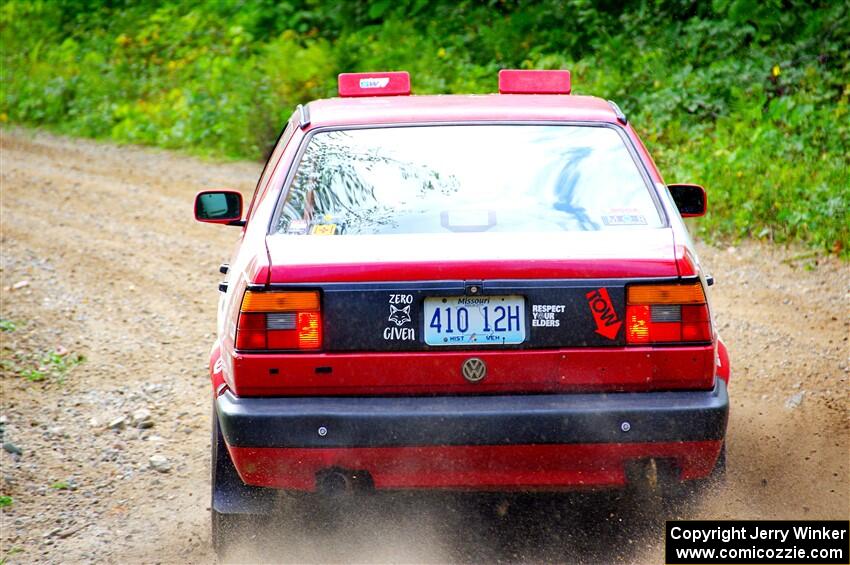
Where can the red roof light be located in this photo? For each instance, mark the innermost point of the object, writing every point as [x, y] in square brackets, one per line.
[513, 81]
[395, 83]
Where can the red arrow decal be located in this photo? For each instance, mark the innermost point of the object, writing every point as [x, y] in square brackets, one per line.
[607, 324]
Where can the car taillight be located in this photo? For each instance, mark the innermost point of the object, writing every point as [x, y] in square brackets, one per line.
[279, 320]
[667, 313]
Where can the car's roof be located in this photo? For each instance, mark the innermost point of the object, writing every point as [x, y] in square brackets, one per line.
[459, 108]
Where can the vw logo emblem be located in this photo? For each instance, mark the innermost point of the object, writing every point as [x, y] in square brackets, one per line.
[474, 369]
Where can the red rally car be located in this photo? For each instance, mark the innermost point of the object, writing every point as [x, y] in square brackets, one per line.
[491, 292]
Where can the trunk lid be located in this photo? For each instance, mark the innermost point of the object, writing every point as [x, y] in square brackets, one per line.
[382, 293]
[472, 256]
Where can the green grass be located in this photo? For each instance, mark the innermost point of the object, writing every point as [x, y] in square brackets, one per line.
[751, 99]
[36, 368]
[12, 551]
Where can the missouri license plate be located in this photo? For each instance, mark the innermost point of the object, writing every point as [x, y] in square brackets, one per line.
[479, 320]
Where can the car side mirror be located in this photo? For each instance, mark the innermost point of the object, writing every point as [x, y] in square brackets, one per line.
[219, 207]
[690, 199]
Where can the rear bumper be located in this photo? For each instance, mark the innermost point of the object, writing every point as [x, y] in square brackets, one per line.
[478, 442]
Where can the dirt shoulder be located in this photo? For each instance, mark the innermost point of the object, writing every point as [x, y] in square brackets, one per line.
[101, 259]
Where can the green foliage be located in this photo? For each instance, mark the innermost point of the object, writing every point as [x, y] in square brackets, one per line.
[12, 551]
[35, 368]
[34, 375]
[58, 365]
[5, 501]
[60, 485]
[7, 325]
[747, 97]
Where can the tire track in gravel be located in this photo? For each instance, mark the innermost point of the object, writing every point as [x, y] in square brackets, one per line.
[119, 271]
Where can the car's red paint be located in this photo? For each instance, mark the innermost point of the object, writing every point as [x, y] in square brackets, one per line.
[437, 372]
[216, 368]
[459, 109]
[576, 255]
[261, 259]
[394, 83]
[513, 81]
[723, 370]
[507, 467]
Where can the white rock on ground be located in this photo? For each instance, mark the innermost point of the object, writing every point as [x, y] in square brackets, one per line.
[159, 463]
[142, 418]
[795, 401]
[117, 423]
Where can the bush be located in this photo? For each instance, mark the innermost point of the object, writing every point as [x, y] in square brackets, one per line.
[749, 98]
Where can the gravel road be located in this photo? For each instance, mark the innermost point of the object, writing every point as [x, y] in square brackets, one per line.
[105, 457]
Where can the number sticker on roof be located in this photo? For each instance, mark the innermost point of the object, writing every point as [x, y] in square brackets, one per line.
[395, 83]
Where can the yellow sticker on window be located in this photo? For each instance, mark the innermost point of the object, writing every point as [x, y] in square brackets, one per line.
[323, 229]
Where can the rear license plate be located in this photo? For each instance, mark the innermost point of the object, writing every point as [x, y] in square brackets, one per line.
[480, 320]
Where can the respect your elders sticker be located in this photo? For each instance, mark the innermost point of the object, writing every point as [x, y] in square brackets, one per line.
[546, 315]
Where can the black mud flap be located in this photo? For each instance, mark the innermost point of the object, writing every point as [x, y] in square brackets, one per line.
[229, 494]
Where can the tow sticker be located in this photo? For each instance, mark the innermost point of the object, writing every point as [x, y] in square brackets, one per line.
[607, 323]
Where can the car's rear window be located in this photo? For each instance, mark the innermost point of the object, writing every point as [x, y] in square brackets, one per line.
[466, 178]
